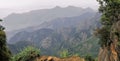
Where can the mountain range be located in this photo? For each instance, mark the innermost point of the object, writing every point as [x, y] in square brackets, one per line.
[53, 30]
[22, 20]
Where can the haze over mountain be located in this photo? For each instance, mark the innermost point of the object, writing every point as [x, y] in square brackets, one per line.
[20, 6]
[4, 12]
[38, 17]
[53, 30]
[58, 24]
[17, 21]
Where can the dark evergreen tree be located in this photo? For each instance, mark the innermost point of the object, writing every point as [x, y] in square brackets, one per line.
[4, 51]
[110, 10]
[110, 30]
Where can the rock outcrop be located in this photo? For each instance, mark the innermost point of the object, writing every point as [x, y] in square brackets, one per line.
[51, 58]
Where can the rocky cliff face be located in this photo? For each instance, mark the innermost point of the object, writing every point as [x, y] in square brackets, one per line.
[109, 53]
[112, 52]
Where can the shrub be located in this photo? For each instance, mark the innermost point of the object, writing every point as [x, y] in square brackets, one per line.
[27, 54]
[89, 58]
[64, 53]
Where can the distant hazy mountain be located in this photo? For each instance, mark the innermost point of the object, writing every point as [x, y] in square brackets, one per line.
[36, 17]
[4, 12]
[72, 33]
[83, 21]
[53, 30]
[40, 18]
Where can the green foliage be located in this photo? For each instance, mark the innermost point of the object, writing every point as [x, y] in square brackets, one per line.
[89, 58]
[103, 35]
[28, 53]
[64, 53]
[110, 10]
[96, 59]
[16, 48]
[4, 51]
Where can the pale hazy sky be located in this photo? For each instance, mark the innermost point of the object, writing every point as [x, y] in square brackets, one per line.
[27, 5]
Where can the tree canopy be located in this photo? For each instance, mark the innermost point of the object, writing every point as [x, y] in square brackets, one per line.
[110, 10]
[5, 54]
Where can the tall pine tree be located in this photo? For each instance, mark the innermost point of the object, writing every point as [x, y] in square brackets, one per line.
[4, 52]
[109, 33]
